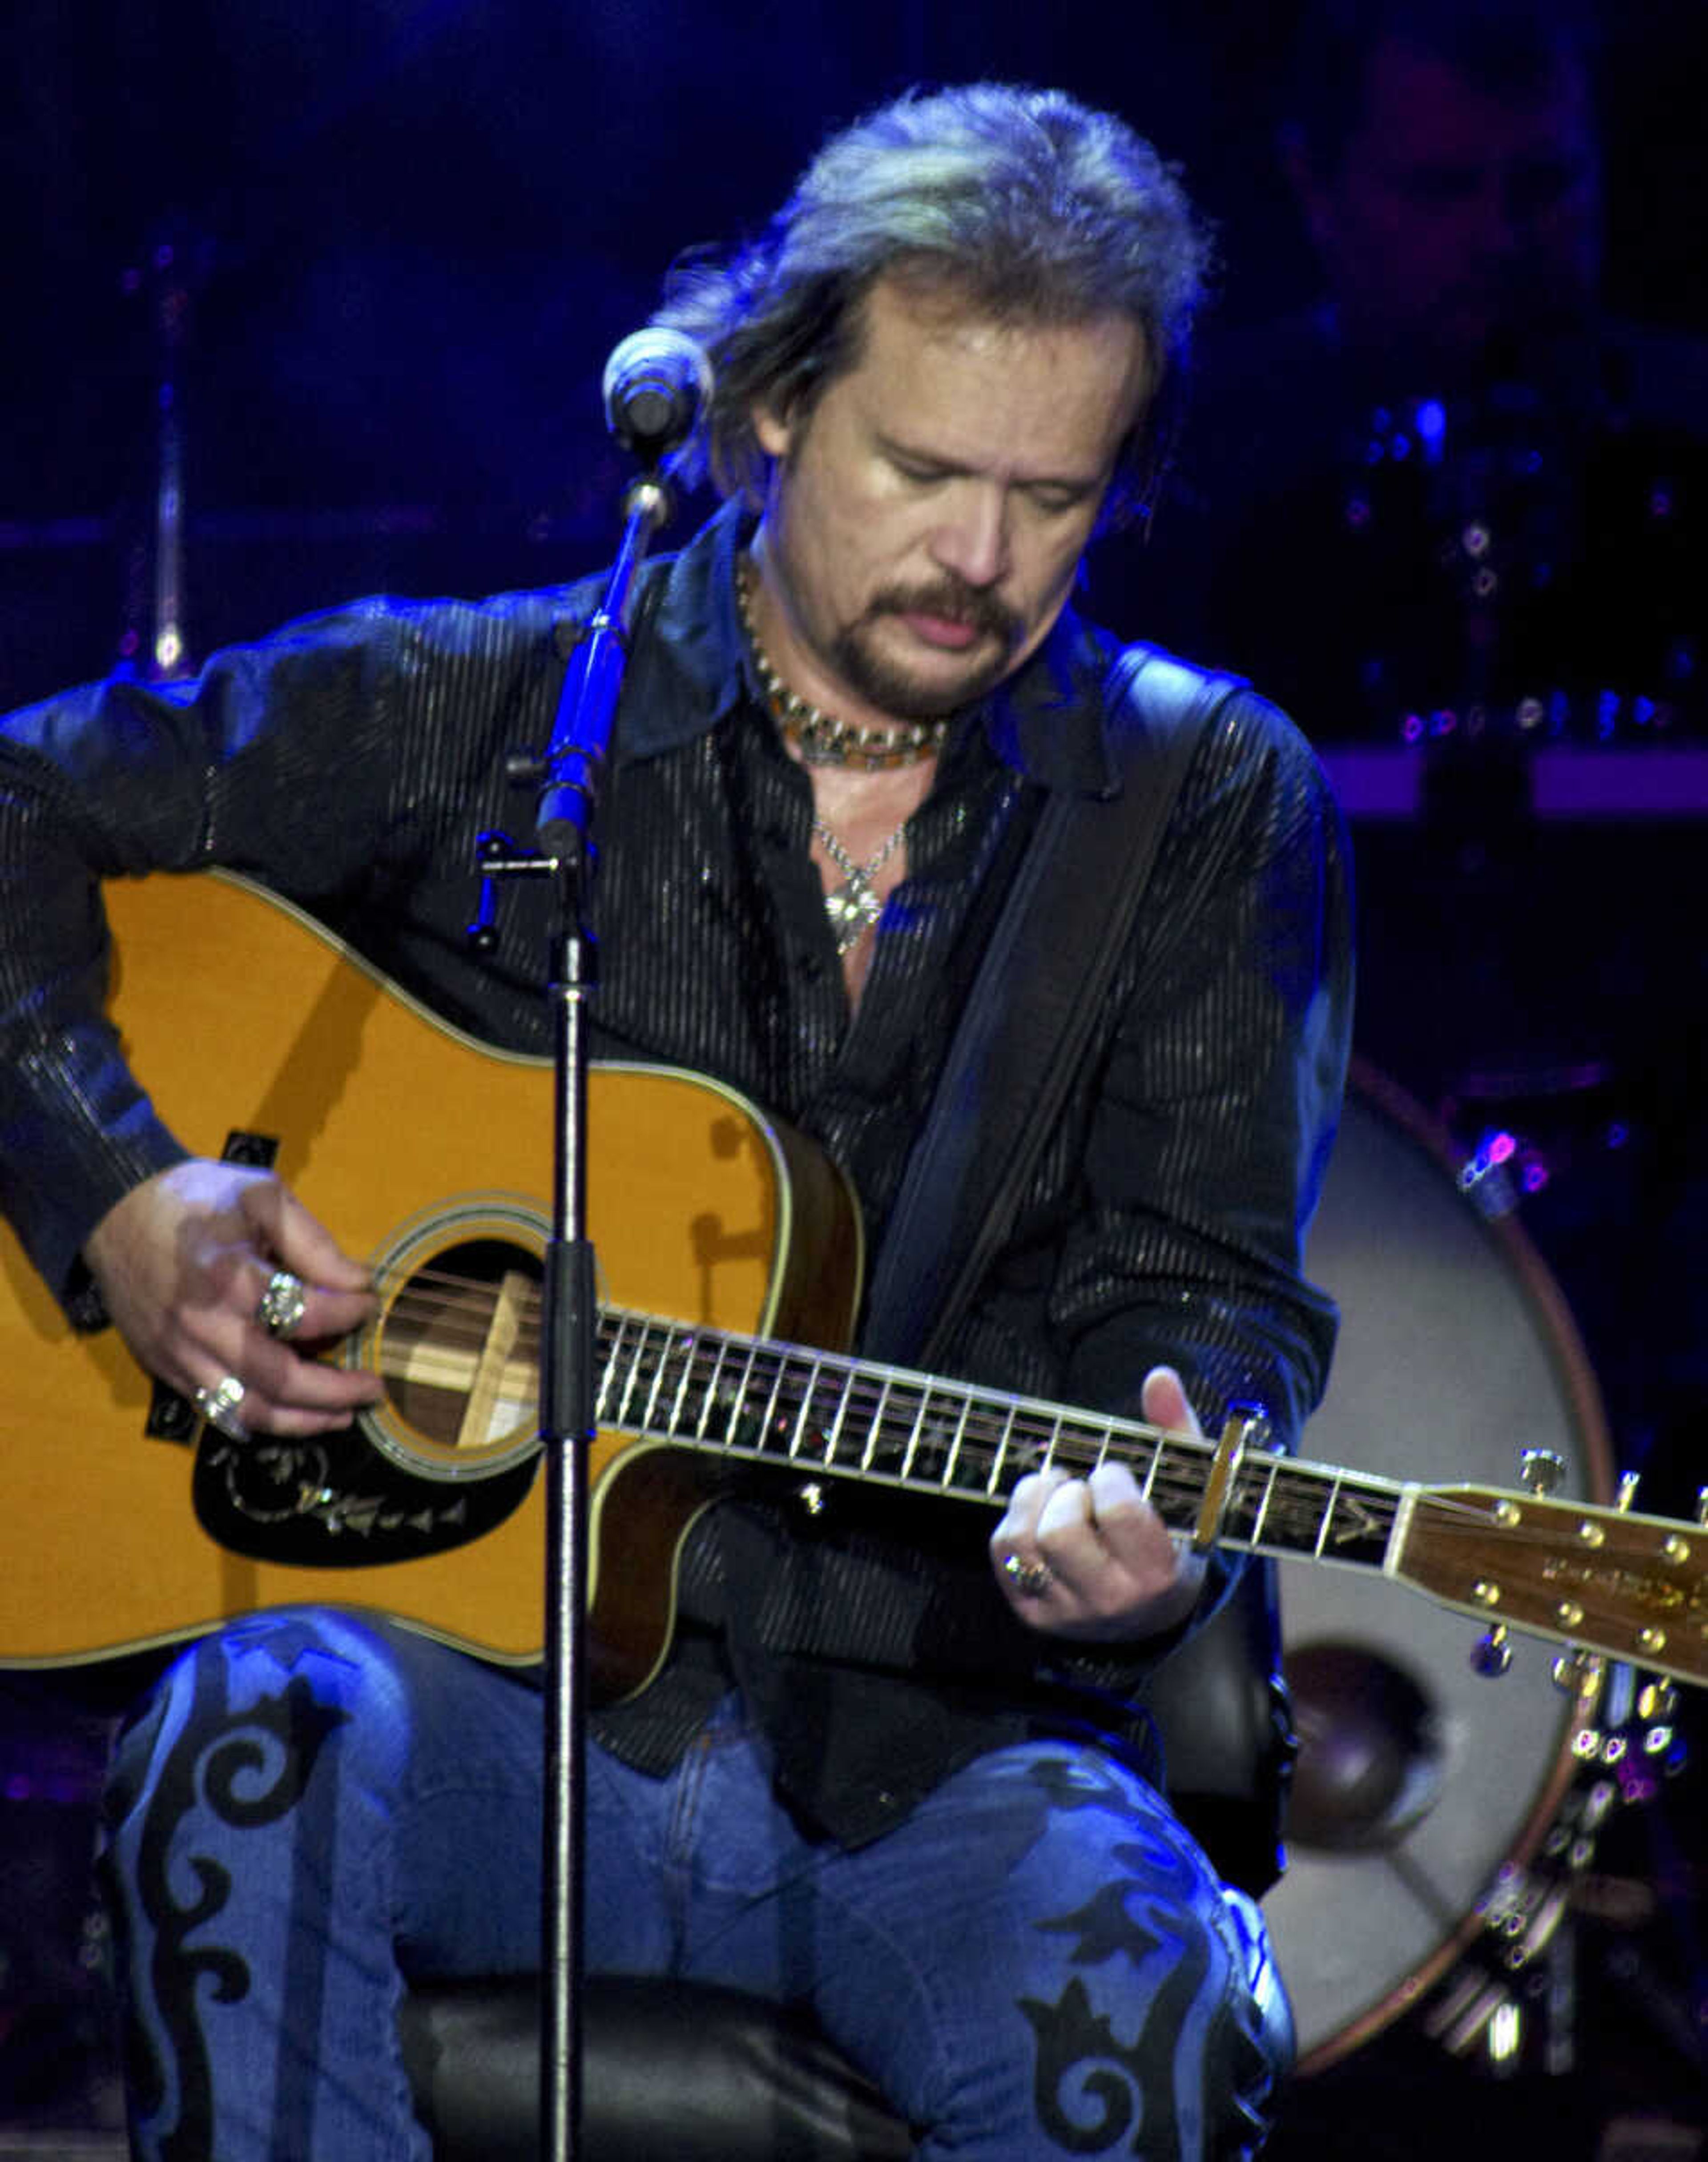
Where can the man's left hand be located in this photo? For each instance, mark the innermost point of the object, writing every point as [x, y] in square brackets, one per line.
[1089, 1558]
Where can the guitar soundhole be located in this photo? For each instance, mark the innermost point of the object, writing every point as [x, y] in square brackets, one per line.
[459, 1350]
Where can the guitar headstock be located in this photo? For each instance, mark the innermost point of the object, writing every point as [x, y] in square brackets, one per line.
[1632, 1587]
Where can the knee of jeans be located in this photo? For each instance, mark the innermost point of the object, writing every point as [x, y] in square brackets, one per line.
[251, 1707]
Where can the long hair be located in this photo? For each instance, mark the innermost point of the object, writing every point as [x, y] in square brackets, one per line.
[1031, 207]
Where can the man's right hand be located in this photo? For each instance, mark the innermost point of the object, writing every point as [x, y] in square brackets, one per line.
[182, 1262]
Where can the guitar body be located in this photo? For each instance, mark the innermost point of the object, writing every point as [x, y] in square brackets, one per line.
[429, 1154]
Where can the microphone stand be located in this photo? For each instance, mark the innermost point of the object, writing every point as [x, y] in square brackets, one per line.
[568, 775]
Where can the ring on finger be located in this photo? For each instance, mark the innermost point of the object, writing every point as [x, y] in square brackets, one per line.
[220, 1404]
[1031, 1580]
[282, 1305]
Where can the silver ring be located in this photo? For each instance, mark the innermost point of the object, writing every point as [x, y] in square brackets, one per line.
[220, 1406]
[282, 1305]
[1031, 1580]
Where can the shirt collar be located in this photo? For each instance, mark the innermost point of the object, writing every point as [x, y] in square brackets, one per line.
[1047, 722]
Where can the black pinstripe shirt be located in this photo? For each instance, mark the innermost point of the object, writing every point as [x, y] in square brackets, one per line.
[351, 762]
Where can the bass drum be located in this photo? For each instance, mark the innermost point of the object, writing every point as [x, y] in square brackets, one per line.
[1418, 1779]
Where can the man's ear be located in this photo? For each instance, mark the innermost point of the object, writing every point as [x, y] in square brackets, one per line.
[772, 431]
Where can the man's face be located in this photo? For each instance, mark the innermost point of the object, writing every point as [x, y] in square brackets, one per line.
[926, 517]
[1457, 218]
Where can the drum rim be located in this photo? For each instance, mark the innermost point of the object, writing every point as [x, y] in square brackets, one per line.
[1557, 1329]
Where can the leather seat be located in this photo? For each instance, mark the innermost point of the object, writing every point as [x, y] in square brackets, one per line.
[669, 2068]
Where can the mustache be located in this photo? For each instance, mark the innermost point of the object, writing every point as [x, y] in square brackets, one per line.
[955, 600]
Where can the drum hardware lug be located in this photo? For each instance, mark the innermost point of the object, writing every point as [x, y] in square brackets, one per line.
[1702, 1507]
[1540, 1470]
[1627, 1494]
[1492, 1653]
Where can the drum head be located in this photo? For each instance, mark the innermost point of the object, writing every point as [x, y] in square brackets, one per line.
[1418, 1778]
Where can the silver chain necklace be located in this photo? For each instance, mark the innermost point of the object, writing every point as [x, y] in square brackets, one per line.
[853, 905]
[826, 739]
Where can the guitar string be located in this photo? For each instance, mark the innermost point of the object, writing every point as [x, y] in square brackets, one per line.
[1015, 1434]
[981, 1437]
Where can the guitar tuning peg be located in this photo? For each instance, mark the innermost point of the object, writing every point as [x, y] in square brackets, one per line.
[1493, 1652]
[1657, 1700]
[1577, 1674]
[1627, 1494]
[1540, 1470]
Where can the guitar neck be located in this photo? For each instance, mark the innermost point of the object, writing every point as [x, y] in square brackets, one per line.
[756, 1401]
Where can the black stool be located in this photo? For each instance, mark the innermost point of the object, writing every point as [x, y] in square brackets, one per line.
[671, 2069]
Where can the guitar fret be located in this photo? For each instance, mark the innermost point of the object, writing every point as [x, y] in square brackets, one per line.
[708, 1401]
[936, 1426]
[1361, 1524]
[635, 1381]
[764, 1426]
[953, 1458]
[804, 1413]
[1148, 1485]
[811, 1401]
[738, 1399]
[691, 1365]
[1327, 1521]
[1179, 1489]
[610, 1337]
[994, 1480]
[1262, 1514]
[648, 1416]
[916, 1434]
[874, 1424]
[616, 1366]
[833, 1440]
[902, 1423]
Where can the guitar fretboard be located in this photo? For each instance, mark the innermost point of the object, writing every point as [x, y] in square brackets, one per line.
[761, 1403]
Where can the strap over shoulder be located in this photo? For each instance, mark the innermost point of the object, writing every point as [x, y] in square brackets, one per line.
[1037, 994]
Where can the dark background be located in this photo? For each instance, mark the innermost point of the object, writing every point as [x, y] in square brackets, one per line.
[410, 231]
[400, 238]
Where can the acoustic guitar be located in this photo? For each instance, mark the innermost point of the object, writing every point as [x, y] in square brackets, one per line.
[730, 1254]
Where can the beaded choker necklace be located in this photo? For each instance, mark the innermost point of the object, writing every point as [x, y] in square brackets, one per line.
[821, 738]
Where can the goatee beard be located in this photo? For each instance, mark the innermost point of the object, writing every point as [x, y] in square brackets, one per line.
[893, 689]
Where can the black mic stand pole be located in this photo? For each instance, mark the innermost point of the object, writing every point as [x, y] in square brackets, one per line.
[569, 776]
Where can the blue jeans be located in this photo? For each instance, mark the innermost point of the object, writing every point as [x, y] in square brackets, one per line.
[311, 1808]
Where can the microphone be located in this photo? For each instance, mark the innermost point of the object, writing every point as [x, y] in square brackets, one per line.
[656, 382]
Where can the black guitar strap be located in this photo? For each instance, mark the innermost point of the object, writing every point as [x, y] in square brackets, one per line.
[1035, 1001]
[1219, 1705]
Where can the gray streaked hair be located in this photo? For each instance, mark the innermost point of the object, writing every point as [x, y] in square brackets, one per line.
[1032, 206]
